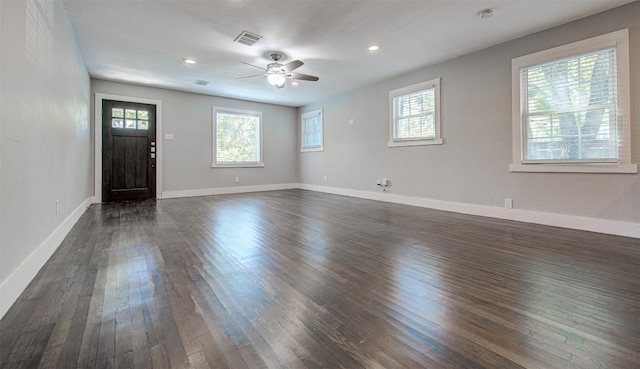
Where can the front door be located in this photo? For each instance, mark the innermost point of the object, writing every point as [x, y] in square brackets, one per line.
[128, 151]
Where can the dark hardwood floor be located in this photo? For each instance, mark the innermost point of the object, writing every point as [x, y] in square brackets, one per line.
[297, 279]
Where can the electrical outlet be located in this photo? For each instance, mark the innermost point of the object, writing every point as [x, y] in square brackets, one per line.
[237, 179]
[508, 203]
[325, 178]
[57, 207]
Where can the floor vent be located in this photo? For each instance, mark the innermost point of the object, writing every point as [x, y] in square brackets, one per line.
[201, 82]
[247, 38]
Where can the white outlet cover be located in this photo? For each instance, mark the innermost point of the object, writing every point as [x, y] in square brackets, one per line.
[168, 136]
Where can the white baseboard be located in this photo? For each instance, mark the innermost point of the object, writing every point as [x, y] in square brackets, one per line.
[12, 287]
[614, 227]
[228, 190]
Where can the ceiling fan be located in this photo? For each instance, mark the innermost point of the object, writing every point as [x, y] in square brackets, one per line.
[278, 73]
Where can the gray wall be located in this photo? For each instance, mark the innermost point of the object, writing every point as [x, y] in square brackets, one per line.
[44, 127]
[472, 166]
[187, 158]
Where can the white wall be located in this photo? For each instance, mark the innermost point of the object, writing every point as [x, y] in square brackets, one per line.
[472, 166]
[187, 158]
[44, 138]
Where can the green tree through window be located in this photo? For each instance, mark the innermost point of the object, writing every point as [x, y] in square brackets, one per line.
[237, 137]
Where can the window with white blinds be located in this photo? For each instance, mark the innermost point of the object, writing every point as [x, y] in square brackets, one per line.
[237, 138]
[570, 111]
[312, 131]
[573, 106]
[414, 115]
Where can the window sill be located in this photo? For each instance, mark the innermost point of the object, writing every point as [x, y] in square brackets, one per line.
[437, 141]
[237, 165]
[573, 168]
[312, 149]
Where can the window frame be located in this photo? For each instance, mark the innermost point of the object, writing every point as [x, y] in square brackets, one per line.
[393, 94]
[256, 164]
[619, 39]
[303, 116]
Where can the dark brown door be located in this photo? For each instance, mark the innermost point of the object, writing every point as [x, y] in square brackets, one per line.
[128, 151]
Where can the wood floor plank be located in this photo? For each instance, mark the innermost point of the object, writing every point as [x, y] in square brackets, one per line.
[297, 279]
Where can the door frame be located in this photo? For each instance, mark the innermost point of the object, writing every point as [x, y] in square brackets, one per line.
[97, 153]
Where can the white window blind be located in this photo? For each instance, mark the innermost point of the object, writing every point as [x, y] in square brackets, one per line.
[312, 131]
[237, 137]
[570, 109]
[414, 115]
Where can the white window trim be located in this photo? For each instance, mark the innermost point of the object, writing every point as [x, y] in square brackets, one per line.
[302, 131]
[214, 163]
[623, 165]
[437, 140]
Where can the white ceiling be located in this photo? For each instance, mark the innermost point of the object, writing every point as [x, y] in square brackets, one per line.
[144, 42]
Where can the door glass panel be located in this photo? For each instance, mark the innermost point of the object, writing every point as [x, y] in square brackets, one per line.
[143, 114]
[130, 123]
[130, 113]
[117, 123]
[143, 124]
[117, 113]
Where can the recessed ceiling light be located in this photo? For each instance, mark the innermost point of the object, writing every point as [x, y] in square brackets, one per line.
[373, 47]
[486, 13]
[294, 83]
[189, 61]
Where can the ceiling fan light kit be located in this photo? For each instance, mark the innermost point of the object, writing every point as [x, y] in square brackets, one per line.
[276, 79]
[277, 73]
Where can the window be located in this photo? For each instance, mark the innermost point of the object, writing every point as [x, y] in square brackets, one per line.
[135, 119]
[415, 115]
[312, 131]
[571, 107]
[237, 138]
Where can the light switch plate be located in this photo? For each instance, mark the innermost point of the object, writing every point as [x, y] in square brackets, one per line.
[168, 136]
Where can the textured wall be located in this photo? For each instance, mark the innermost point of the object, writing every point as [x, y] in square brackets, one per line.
[44, 120]
[472, 166]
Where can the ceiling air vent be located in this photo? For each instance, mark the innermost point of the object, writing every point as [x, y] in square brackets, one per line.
[247, 38]
[201, 82]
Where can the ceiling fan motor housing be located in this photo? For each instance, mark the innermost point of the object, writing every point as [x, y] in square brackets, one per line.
[275, 68]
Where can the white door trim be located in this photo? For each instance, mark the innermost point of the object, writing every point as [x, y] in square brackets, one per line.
[97, 177]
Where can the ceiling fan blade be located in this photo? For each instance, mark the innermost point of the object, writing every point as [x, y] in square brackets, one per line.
[255, 75]
[302, 77]
[255, 66]
[292, 65]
